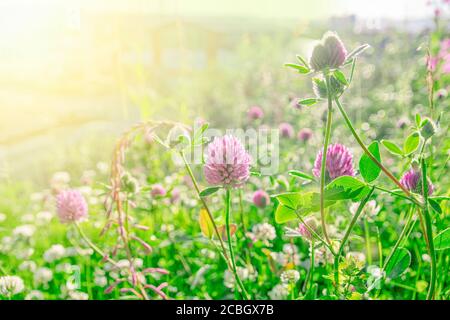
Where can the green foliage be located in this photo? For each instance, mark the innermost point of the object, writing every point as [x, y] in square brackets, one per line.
[368, 169]
[398, 264]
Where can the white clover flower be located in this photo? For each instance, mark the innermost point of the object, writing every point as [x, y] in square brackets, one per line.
[2, 217]
[290, 249]
[279, 258]
[263, 232]
[35, 295]
[43, 276]
[288, 255]
[55, 252]
[244, 274]
[100, 280]
[11, 285]
[279, 292]
[24, 231]
[6, 244]
[322, 255]
[28, 265]
[122, 264]
[78, 295]
[24, 253]
[65, 267]
[290, 276]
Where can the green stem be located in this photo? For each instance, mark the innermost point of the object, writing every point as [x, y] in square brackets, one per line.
[369, 154]
[324, 159]
[308, 283]
[347, 235]
[380, 248]
[230, 247]
[315, 234]
[93, 246]
[197, 189]
[394, 193]
[244, 228]
[429, 231]
[400, 238]
[367, 237]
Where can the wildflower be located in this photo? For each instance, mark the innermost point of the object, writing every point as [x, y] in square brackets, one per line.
[263, 232]
[43, 276]
[35, 295]
[24, 231]
[290, 276]
[158, 191]
[279, 292]
[287, 256]
[339, 162]
[330, 53]
[286, 130]
[428, 128]
[2, 217]
[27, 266]
[71, 206]
[55, 252]
[11, 285]
[227, 163]
[245, 274]
[175, 195]
[261, 199]
[322, 255]
[100, 278]
[255, 113]
[78, 295]
[412, 180]
[305, 134]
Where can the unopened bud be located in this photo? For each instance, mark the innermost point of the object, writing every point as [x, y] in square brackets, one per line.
[428, 128]
[330, 53]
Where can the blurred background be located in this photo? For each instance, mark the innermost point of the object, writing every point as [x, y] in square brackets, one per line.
[75, 74]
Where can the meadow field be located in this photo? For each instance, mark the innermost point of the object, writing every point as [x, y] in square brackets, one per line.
[180, 157]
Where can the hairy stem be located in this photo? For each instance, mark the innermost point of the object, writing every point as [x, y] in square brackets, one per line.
[315, 234]
[230, 247]
[93, 246]
[197, 189]
[324, 159]
[374, 160]
[429, 231]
